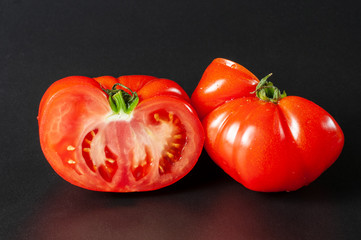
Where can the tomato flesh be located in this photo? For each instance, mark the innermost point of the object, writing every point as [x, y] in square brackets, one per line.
[144, 148]
[138, 149]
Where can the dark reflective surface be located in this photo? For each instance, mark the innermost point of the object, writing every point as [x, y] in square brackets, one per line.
[212, 206]
[223, 210]
[312, 47]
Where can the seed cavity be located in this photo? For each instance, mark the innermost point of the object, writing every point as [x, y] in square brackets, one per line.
[141, 168]
[175, 143]
[86, 149]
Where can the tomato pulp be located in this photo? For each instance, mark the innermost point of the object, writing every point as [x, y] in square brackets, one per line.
[262, 138]
[143, 136]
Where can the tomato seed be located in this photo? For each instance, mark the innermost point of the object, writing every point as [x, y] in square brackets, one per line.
[177, 136]
[176, 145]
[156, 117]
[171, 156]
[86, 149]
[70, 148]
[170, 115]
[110, 160]
[71, 161]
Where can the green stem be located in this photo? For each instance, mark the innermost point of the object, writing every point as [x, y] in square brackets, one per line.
[267, 92]
[120, 101]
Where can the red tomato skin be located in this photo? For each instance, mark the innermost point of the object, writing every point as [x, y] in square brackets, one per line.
[162, 87]
[90, 100]
[271, 147]
[223, 80]
[146, 86]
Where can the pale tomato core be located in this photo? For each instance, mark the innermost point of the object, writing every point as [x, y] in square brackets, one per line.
[155, 140]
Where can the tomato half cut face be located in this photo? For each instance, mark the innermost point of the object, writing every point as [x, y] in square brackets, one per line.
[90, 146]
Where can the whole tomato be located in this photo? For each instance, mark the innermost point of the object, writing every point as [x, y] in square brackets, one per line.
[262, 138]
[132, 133]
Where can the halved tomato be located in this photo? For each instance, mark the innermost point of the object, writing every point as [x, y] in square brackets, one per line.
[132, 133]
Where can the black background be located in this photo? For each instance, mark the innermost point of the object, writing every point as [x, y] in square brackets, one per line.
[312, 47]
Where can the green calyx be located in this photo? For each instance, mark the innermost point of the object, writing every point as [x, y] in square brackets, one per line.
[267, 92]
[121, 101]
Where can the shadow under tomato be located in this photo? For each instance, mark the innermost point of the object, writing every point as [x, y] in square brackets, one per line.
[69, 212]
[221, 210]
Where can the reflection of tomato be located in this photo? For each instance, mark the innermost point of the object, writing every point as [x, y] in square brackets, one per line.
[112, 143]
[268, 141]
